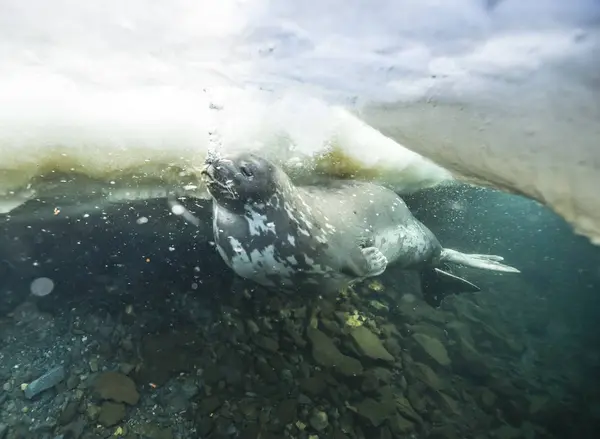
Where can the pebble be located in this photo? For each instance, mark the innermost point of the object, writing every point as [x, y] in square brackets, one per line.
[247, 386]
[252, 327]
[126, 368]
[370, 345]
[116, 387]
[68, 412]
[45, 382]
[319, 420]
[111, 413]
[72, 382]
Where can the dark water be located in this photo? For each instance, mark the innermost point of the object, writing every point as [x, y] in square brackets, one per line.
[155, 338]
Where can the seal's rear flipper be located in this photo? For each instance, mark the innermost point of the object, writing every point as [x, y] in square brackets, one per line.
[486, 262]
[438, 284]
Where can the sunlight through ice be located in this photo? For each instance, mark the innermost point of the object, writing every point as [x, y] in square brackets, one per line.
[500, 92]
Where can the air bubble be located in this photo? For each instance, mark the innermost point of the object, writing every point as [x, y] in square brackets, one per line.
[177, 209]
[42, 286]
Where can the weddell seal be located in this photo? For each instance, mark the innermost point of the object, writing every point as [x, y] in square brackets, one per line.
[320, 239]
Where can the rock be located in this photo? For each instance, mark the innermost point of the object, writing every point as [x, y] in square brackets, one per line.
[266, 371]
[212, 374]
[116, 387]
[127, 344]
[447, 431]
[379, 306]
[92, 411]
[459, 330]
[189, 388]
[388, 330]
[251, 431]
[290, 329]
[268, 344]
[376, 412]
[427, 376]
[331, 327]
[433, 348]
[488, 399]
[252, 327]
[402, 383]
[75, 429]
[287, 411]
[400, 426]
[314, 385]
[416, 395]
[45, 382]
[204, 426]
[393, 347]
[470, 362]
[370, 383]
[318, 420]
[304, 400]
[249, 409]
[168, 354]
[68, 413]
[176, 404]
[369, 344]
[448, 403]
[3, 430]
[126, 368]
[72, 381]
[111, 413]
[382, 374]
[153, 431]
[406, 409]
[326, 354]
[507, 432]
[375, 378]
[537, 403]
[339, 434]
[210, 404]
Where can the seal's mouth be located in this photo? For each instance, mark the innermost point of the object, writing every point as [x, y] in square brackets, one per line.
[212, 174]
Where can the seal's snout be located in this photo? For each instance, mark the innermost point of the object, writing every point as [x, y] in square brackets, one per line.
[218, 175]
[214, 165]
[211, 157]
[211, 162]
[208, 171]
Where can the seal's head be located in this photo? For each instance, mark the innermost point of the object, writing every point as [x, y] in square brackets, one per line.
[240, 179]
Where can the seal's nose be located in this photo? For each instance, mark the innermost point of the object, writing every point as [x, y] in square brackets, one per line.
[212, 157]
[208, 169]
[210, 162]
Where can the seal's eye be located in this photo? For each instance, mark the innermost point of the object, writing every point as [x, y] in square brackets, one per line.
[246, 171]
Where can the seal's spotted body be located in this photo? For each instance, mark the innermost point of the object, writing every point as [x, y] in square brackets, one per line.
[316, 238]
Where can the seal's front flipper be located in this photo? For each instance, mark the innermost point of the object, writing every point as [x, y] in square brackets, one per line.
[365, 262]
[486, 262]
[438, 284]
[376, 261]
